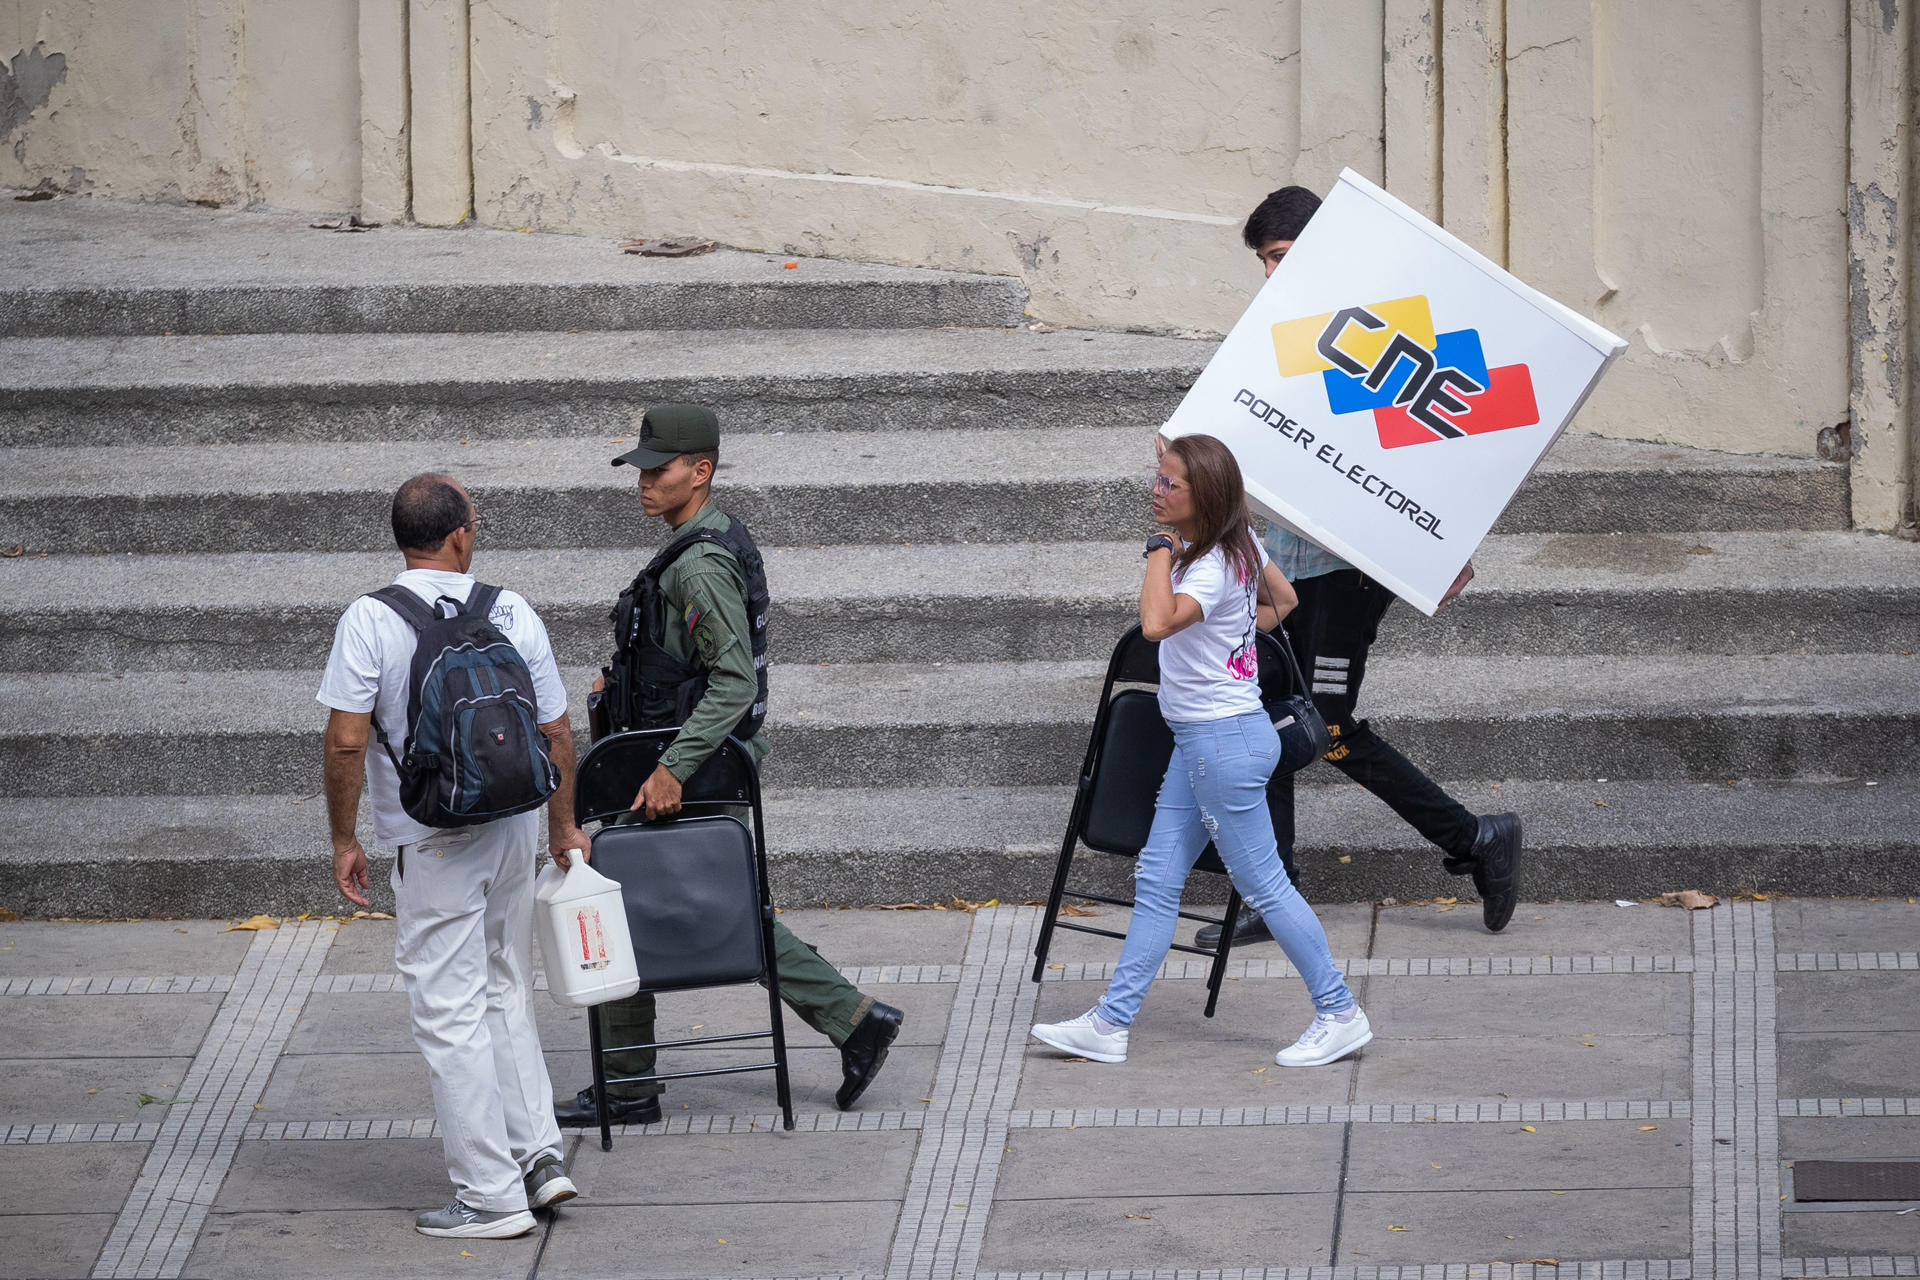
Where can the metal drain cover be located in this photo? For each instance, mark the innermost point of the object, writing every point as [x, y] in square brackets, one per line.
[1822, 1180]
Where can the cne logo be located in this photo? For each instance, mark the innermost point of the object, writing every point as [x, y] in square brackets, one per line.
[1420, 386]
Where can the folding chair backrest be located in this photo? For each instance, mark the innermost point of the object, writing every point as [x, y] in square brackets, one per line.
[1131, 758]
[693, 900]
[611, 774]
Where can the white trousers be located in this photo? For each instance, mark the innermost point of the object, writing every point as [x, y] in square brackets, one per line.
[464, 945]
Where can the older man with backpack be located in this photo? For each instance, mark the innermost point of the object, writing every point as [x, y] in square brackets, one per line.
[463, 676]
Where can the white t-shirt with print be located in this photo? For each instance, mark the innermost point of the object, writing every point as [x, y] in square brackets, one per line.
[1210, 670]
[372, 658]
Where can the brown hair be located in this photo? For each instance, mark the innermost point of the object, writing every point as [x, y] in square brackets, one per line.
[1219, 505]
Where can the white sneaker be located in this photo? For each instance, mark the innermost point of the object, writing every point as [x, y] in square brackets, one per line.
[1079, 1036]
[1327, 1040]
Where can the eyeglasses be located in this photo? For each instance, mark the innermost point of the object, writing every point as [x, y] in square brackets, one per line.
[1165, 484]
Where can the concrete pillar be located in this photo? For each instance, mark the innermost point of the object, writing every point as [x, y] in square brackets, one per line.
[386, 186]
[1411, 74]
[1882, 190]
[440, 136]
[1473, 66]
[1341, 91]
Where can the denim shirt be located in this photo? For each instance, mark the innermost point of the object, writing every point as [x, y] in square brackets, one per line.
[1296, 558]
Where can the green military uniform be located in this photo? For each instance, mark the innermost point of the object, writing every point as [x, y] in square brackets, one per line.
[705, 594]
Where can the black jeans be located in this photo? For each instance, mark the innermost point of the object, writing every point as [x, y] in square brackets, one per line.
[1332, 629]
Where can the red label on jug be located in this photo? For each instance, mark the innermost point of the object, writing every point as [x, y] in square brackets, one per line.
[593, 940]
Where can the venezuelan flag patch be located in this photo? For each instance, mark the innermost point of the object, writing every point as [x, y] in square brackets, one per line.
[691, 617]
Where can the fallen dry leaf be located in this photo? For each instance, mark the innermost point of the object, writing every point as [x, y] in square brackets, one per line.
[1144, 1217]
[1346, 857]
[1435, 1166]
[1556, 1193]
[1539, 1262]
[1648, 1128]
[370, 915]
[465, 1254]
[15, 551]
[1068, 909]
[1056, 966]
[1691, 899]
[253, 924]
[8, 916]
[1529, 1128]
[1391, 1227]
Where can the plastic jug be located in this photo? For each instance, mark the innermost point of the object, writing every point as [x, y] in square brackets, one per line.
[581, 922]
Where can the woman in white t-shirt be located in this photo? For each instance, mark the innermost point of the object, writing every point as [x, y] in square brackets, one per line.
[1206, 591]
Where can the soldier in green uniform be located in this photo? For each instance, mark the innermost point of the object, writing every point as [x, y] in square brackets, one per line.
[704, 593]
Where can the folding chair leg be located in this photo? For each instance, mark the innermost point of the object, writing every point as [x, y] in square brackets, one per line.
[599, 1079]
[1059, 889]
[776, 1024]
[1218, 974]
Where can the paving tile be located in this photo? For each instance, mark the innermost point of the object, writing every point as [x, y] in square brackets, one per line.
[1873, 1064]
[1210, 1072]
[1457, 1225]
[1569, 1007]
[58, 1088]
[1849, 1001]
[625, 1242]
[1504, 1157]
[1874, 1232]
[1851, 1138]
[144, 948]
[108, 1026]
[1518, 1068]
[1538, 928]
[1347, 927]
[361, 946]
[1145, 1232]
[1049, 1164]
[863, 937]
[49, 1245]
[378, 1244]
[395, 1174]
[751, 1168]
[1843, 924]
[70, 1178]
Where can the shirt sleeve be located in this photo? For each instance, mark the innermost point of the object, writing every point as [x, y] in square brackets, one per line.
[529, 636]
[714, 617]
[352, 679]
[1204, 580]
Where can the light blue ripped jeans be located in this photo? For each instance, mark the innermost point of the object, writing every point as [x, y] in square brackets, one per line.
[1216, 789]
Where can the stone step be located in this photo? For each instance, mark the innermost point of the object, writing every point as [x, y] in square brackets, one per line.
[236, 855]
[513, 386]
[1746, 593]
[806, 489]
[1699, 718]
[149, 270]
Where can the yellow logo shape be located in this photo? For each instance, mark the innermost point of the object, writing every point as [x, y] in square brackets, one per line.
[1296, 342]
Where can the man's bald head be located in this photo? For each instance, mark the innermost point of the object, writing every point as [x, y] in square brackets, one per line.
[426, 509]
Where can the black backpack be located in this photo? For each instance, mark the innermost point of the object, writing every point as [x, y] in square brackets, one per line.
[646, 686]
[475, 752]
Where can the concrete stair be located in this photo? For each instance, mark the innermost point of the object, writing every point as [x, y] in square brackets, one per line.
[950, 507]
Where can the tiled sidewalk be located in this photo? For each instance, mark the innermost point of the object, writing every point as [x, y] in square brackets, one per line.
[1613, 1089]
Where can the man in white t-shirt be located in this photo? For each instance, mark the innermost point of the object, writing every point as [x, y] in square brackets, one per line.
[463, 897]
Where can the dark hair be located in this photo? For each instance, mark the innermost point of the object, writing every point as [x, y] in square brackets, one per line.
[1281, 216]
[426, 509]
[704, 455]
[1219, 505]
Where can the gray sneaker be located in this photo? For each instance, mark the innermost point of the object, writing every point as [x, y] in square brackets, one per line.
[548, 1183]
[462, 1221]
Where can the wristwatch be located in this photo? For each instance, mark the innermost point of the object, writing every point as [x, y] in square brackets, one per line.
[1154, 543]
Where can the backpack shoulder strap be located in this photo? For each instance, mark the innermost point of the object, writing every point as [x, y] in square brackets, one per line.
[481, 599]
[411, 608]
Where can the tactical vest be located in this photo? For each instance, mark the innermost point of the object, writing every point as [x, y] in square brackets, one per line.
[649, 688]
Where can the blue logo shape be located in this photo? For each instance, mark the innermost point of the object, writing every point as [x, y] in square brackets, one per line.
[1457, 350]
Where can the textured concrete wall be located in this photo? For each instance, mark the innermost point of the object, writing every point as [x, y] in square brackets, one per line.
[1729, 184]
[221, 101]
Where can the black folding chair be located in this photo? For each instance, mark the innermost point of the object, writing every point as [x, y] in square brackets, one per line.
[1127, 755]
[696, 894]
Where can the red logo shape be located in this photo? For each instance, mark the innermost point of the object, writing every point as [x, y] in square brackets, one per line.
[1506, 403]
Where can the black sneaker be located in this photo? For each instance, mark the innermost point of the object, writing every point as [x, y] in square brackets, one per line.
[1247, 927]
[1496, 868]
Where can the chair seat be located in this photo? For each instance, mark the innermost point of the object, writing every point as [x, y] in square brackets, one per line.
[692, 898]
